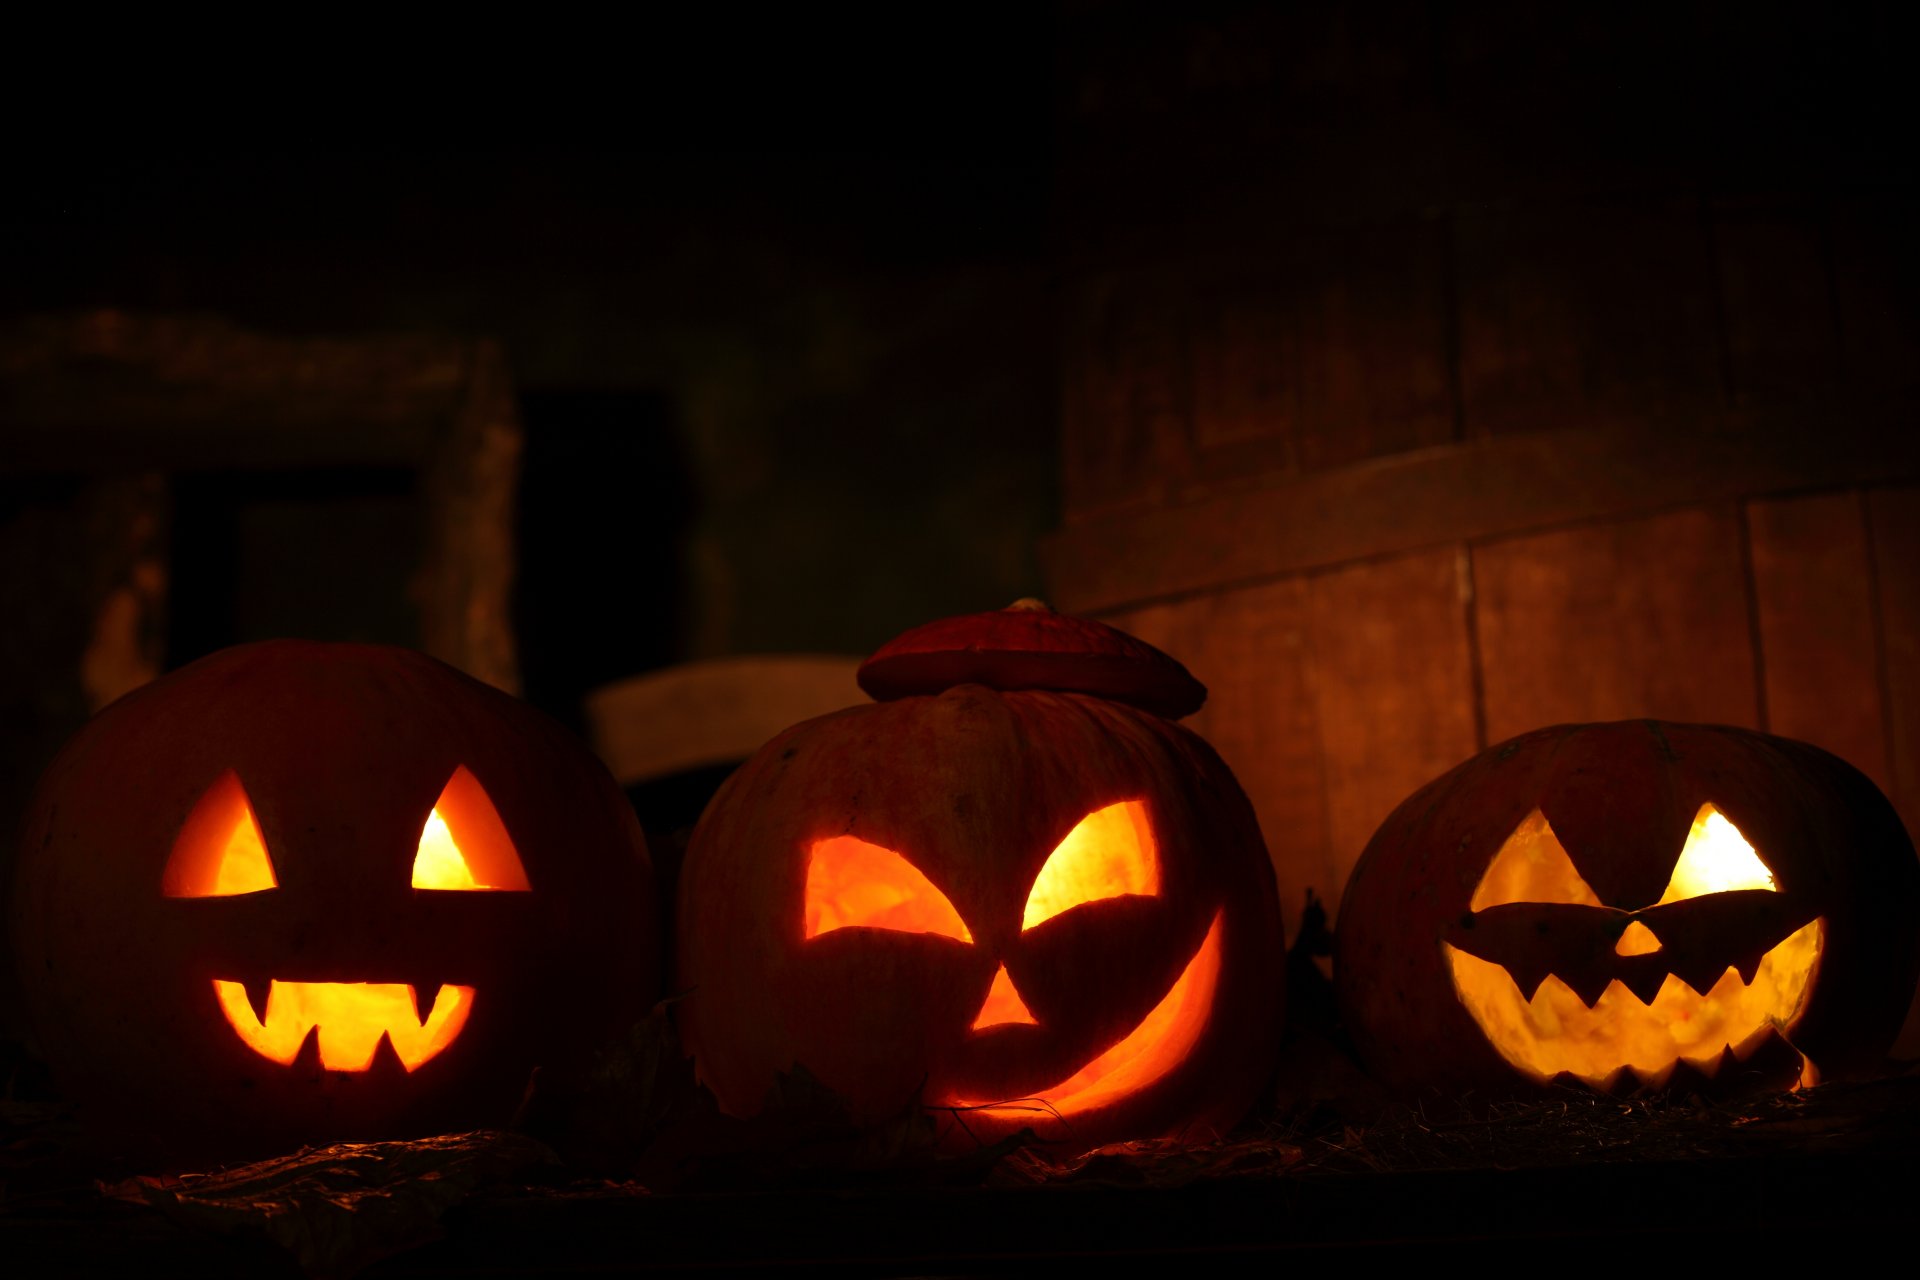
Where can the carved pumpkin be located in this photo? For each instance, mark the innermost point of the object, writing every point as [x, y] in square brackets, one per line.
[1614, 904]
[298, 891]
[1010, 890]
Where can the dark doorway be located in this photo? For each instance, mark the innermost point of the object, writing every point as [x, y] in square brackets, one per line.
[605, 504]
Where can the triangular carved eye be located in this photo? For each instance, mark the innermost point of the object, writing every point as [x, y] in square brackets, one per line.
[1532, 867]
[852, 883]
[464, 845]
[1109, 853]
[219, 852]
[1716, 859]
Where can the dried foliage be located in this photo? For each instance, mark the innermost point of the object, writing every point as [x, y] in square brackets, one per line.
[340, 1207]
[636, 1124]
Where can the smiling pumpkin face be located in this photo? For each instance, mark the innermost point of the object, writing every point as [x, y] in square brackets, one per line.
[1022, 908]
[299, 891]
[1627, 905]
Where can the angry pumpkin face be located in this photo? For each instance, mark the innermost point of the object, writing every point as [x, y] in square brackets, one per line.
[300, 891]
[1623, 904]
[1562, 983]
[1020, 907]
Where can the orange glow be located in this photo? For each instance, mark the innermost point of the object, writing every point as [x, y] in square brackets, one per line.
[854, 884]
[219, 851]
[352, 1016]
[1532, 867]
[1556, 1032]
[1003, 1004]
[1109, 852]
[1636, 940]
[464, 845]
[1716, 859]
[1160, 1042]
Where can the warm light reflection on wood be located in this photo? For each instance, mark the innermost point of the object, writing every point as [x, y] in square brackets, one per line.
[1158, 1044]
[1003, 1004]
[352, 1016]
[852, 883]
[1109, 852]
[1555, 1032]
[219, 851]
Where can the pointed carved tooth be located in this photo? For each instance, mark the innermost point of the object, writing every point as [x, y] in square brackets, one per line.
[1528, 980]
[1654, 1077]
[386, 1060]
[1749, 968]
[1588, 986]
[1700, 975]
[258, 989]
[424, 996]
[1645, 982]
[307, 1061]
[1712, 1067]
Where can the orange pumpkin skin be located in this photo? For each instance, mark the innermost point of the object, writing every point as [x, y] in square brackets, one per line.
[975, 787]
[1621, 799]
[342, 751]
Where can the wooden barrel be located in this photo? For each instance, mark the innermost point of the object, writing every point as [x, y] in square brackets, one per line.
[1420, 388]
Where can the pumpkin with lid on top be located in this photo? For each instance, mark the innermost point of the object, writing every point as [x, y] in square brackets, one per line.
[1012, 888]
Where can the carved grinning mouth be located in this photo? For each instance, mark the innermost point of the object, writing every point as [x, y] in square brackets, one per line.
[1157, 1044]
[345, 1022]
[1556, 1032]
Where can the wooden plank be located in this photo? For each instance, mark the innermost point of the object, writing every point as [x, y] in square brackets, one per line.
[712, 712]
[1777, 302]
[108, 391]
[1877, 292]
[1894, 516]
[1250, 649]
[1486, 488]
[1813, 596]
[1614, 621]
[1337, 354]
[1393, 686]
[1574, 315]
[1126, 419]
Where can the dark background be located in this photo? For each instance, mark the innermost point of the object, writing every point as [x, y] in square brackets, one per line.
[784, 368]
[820, 325]
[787, 325]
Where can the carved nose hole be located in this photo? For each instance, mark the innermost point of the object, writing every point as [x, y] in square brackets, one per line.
[1003, 1004]
[1636, 940]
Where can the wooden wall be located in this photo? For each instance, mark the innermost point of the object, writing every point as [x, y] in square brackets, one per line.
[1430, 376]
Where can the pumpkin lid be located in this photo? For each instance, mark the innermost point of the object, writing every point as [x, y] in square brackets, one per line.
[1028, 646]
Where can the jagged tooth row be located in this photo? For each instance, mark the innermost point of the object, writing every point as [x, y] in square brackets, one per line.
[1530, 978]
[1700, 974]
[1589, 987]
[1645, 982]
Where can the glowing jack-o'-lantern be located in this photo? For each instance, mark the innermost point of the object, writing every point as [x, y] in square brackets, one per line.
[1615, 904]
[1009, 890]
[297, 891]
